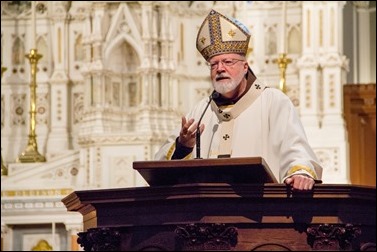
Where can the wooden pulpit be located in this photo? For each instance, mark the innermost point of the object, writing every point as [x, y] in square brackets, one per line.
[247, 170]
[223, 204]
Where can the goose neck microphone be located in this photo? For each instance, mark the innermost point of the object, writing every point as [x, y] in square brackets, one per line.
[214, 95]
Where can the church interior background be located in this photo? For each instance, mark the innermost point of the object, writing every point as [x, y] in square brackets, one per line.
[112, 79]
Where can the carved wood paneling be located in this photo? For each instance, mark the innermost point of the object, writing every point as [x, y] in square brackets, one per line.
[333, 237]
[100, 239]
[206, 236]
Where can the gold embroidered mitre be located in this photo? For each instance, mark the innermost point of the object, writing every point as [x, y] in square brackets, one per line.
[219, 34]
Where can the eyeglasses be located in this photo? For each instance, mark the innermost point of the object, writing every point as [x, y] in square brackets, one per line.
[226, 62]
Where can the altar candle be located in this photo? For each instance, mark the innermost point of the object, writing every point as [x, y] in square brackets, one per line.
[33, 26]
[284, 24]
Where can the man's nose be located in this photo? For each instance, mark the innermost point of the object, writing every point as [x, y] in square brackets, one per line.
[220, 67]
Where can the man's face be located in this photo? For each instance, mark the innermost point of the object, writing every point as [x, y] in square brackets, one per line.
[227, 72]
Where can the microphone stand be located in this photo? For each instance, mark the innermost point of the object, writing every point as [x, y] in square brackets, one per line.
[197, 135]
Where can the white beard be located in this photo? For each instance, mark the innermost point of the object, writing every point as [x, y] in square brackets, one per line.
[227, 86]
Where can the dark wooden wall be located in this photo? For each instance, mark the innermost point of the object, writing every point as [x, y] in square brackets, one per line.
[360, 116]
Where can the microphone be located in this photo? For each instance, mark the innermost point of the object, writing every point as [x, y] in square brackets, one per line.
[214, 95]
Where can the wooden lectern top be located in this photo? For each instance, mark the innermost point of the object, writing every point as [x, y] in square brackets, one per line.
[245, 170]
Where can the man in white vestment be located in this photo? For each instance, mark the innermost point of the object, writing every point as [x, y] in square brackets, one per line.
[244, 118]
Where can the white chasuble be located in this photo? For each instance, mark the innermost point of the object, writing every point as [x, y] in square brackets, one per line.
[263, 123]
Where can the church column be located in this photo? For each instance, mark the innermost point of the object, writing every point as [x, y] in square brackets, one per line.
[322, 75]
[96, 119]
[167, 117]
[85, 71]
[333, 63]
[72, 230]
[309, 76]
[334, 67]
[365, 58]
[96, 69]
[164, 55]
[58, 139]
[155, 75]
[87, 47]
[148, 70]
[173, 89]
[145, 68]
[6, 237]
[99, 18]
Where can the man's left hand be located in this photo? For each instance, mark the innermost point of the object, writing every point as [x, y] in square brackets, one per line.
[300, 182]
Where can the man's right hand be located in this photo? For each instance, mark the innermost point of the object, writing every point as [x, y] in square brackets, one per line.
[187, 135]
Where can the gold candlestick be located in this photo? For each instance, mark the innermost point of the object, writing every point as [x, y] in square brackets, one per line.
[4, 169]
[31, 154]
[282, 62]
